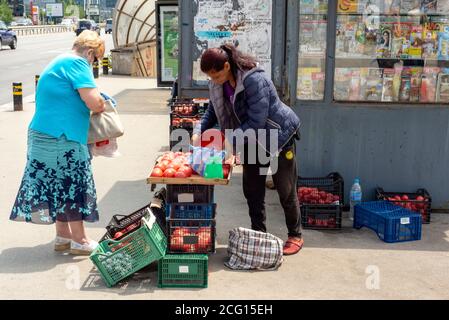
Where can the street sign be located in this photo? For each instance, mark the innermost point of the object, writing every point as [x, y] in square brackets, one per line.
[54, 10]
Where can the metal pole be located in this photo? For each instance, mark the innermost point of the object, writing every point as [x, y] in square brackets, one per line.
[95, 68]
[105, 65]
[17, 96]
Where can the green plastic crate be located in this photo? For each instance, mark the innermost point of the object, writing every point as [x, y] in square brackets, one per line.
[183, 271]
[116, 260]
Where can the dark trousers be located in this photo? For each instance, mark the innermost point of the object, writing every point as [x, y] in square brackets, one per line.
[285, 181]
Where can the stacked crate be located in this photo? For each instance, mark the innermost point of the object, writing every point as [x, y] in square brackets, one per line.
[191, 230]
[185, 114]
[321, 201]
[190, 212]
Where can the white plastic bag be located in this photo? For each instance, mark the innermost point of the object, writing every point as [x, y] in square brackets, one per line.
[108, 148]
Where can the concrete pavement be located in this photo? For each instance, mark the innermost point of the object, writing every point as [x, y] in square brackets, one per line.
[346, 264]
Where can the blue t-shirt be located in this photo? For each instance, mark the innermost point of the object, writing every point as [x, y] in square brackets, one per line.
[59, 107]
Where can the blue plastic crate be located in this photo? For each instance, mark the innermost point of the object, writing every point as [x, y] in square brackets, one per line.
[191, 210]
[390, 222]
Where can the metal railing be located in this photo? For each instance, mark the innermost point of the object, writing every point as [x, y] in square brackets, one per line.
[31, 30]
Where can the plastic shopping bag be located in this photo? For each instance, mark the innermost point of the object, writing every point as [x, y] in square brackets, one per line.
[207, 162]
[108, 148]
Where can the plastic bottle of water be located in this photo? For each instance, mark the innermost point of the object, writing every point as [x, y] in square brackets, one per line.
[355, 197]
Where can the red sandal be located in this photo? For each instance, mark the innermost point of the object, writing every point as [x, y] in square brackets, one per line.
[293, 245]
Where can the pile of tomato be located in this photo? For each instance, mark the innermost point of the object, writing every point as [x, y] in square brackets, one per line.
[418, 204]
[173, 165]
[324, 223]
[179, 122]
[203, 244]
[315, 196]
[185, 109]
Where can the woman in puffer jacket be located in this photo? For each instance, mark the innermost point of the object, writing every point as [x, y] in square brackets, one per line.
[245, 105]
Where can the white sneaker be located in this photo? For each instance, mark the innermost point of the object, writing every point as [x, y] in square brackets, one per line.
[62, 244]
[83, 249]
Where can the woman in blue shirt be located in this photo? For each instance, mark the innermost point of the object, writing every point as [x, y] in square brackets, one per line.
[58, 186]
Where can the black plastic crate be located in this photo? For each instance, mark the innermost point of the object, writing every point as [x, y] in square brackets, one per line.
[191, 236]
[190, 193]
[321, 189]
[184, 108]
[183, 122]
[131, 222]
[321, 217]
[421, 206]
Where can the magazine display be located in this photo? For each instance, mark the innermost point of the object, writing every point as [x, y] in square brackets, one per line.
[312, 38]
[442, 7]
[384, 41]
[443, 44]
[409, 6]
[415, 50]
[430, 41]
[313, 7]
[310, 84]
[372, 89]
[342, 81]
[385, 51]
[312, 49]
[429, 6]
[415, 83]
[355, 84]
[443, 86]
[388, 88]
[429, 85]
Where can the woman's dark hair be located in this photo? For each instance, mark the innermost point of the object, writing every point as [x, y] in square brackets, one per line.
[215, 58]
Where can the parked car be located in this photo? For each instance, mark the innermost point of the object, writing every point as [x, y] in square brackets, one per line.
[24, 22]
[85, 24]
[95, 27]
[108, 28]
[67, 22]
[7, 36]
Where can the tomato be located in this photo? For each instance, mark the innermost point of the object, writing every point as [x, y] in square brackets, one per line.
[181, 232]
[164, 164]
[419, 198]
[176, 243]
[404, 197]
[118, 235]
[191, 248]
[186, 170]
[169, 173]
[180, 174]
[204, 242]
[175, 165]
[157, 172]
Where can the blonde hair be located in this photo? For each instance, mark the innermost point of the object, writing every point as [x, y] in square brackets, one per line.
[90, 40]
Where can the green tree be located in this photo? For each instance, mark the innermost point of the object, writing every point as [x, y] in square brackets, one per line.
[5, 12]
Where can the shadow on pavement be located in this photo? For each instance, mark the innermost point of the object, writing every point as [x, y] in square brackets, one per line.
[34, 259]
[125, 197]
[143, 281]
[143, 101]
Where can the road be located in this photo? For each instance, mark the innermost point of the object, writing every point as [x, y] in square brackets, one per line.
[33, 53]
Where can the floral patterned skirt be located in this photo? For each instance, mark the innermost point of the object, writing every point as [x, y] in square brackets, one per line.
[57, 183]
